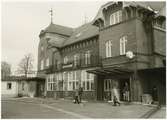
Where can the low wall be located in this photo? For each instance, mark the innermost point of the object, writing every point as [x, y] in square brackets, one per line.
[87, 95]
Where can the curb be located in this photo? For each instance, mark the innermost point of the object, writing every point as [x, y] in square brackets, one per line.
[151, 112]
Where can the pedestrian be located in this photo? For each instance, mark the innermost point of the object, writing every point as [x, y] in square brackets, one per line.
[126, 92]
[76, 97]
[45, 93]
[80, 94]
[116, 101]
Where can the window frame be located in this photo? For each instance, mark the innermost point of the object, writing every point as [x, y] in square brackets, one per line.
[76, 59]
[9, 86]
[123, 45]
[42, 64]
[51, 82]
[87, 81]
[72, 80]
[108, 46]
[116, 17]
[87, 57]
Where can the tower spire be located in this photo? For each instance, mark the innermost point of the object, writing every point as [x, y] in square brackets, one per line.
[51, 15]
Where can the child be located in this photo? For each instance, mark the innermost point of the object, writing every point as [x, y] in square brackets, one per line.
[116, 101]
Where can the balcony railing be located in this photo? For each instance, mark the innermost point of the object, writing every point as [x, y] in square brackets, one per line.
[94, 61]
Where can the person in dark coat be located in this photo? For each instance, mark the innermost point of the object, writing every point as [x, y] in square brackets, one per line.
[76, 99]
[80, 94]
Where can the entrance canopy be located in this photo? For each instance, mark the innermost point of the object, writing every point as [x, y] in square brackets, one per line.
[110, 70]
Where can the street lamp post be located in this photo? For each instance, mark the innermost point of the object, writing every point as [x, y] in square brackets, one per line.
[130, 55]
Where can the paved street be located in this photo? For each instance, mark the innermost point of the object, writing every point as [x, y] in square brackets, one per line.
[49, 108]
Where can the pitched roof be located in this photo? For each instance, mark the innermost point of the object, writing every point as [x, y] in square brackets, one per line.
[54, 28]
[155, 6]
[83, 32]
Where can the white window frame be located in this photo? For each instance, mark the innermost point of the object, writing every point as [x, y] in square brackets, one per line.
[51, 82]
[107, 82]
[108, 46]
[116, 17]
[72, 78]
[85, 79]
[123, 43]
[42, 64]
[87, 57]
[59, 79]
[65, 80]
[76, 59]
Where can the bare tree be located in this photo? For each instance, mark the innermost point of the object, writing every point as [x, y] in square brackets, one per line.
[26, 65]
[5, 69]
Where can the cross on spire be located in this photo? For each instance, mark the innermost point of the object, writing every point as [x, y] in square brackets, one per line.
[51, 15]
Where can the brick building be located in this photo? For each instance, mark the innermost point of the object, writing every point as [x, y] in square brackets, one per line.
[124, 44]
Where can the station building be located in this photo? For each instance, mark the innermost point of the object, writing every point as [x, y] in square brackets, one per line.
[125, 43]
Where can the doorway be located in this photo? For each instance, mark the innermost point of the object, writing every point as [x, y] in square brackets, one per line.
[40, 89]
[124, 89]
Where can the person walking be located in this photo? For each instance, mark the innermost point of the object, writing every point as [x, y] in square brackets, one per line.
[126, 92]
[80, 94]
[76, 99]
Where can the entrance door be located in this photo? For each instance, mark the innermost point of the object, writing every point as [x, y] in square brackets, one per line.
[111, 89]
[124, 89]
[40, 89]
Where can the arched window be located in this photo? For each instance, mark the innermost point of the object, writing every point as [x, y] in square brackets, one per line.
[116, 17]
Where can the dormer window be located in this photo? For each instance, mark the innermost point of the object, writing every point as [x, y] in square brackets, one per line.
[116, 17]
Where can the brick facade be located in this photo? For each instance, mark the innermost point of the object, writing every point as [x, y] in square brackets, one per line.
[144, 39]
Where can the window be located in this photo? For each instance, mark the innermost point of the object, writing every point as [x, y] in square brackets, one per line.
[123, 42]
[65, 80]
[59, 81]
[107, 85]
[42, 65]
[108, 48]
[87, 81]
[9, 86]
[76, 60]
[87, 57]
[47, 62]
[116, 17]
[51, 82]
[65, 60]
[72, 80]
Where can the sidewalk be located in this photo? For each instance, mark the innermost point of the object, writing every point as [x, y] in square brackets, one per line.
[159, 113]
[96, 109]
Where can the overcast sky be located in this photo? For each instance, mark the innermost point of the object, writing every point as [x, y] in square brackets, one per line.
[22, 22]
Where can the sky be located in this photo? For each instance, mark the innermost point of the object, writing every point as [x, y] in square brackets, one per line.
[22, 22]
